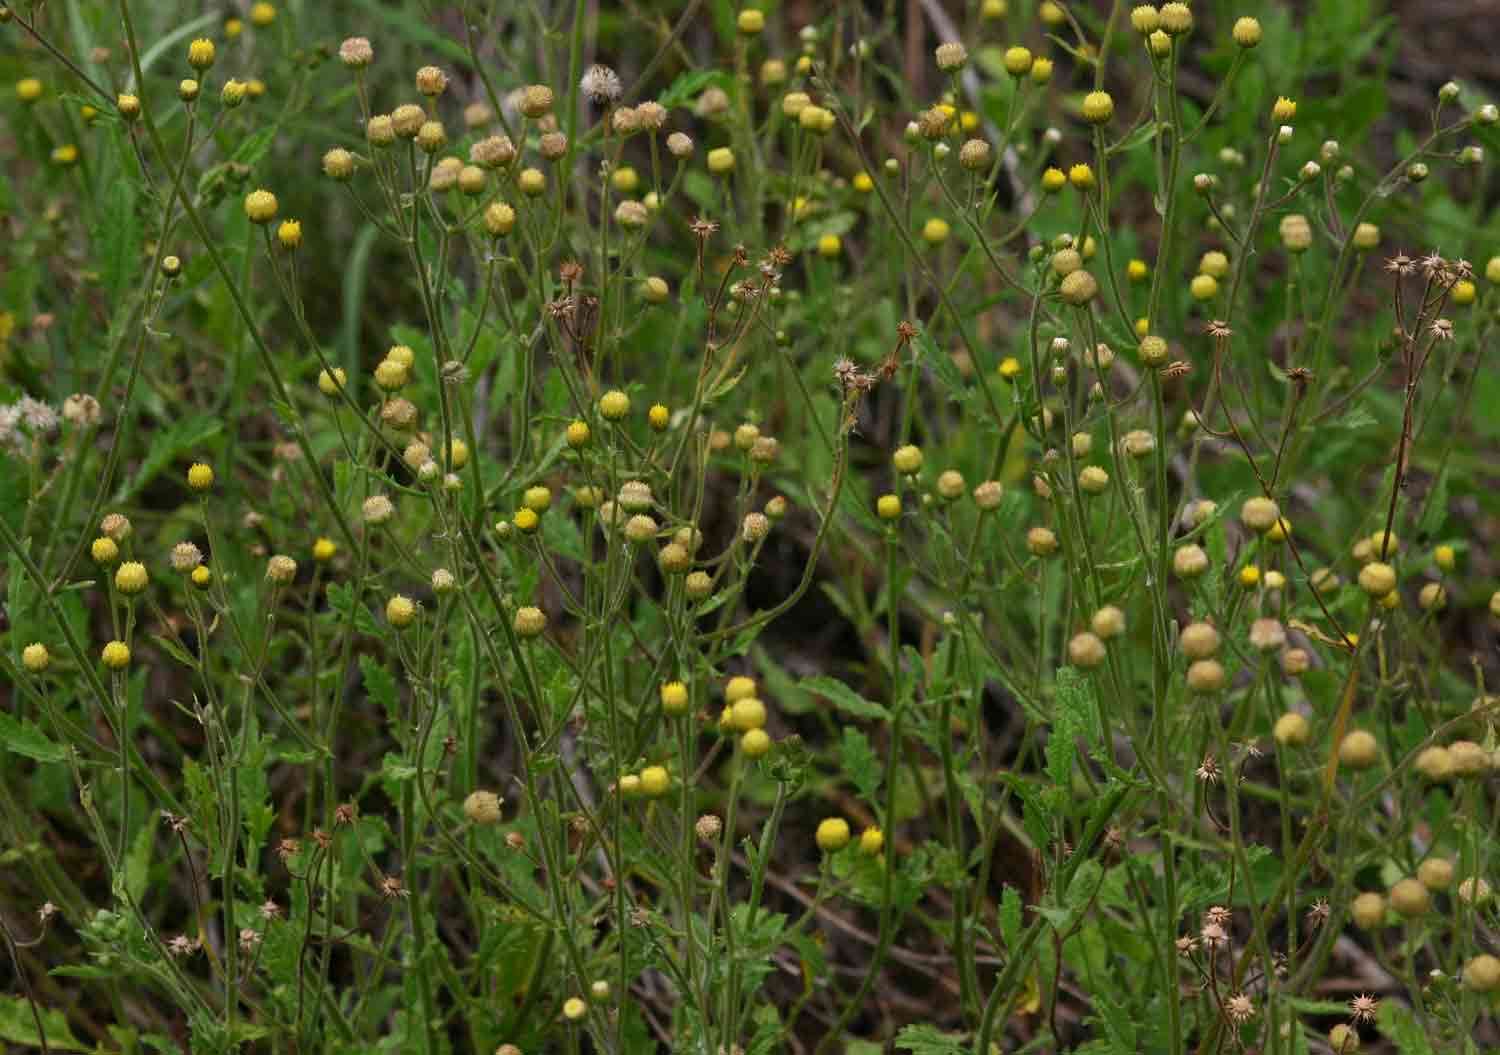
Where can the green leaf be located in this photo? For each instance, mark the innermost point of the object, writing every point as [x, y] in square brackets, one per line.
[1069, 722]
[121, 251]
[859, 762]
[561, 536]
[1396, 1022]
[341, 599]
[255, 146]
[1010, 916]
[18, 1026]
[1118, 1025]
[844, 698]
[1434, 507]
[176, 651]
[1139, 137]
[929, 1040]
[942, 366]
[395, 770]
[22, 737]
[138, 862]
[380, 685]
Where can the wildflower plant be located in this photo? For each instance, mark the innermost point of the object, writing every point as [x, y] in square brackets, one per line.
[522, 534]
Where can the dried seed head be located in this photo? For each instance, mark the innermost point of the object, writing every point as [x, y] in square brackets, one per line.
[1436, 873]
[115, 526]
[1267, 635]
[951, 56]
[281, 570]
[635, 496]
[1086, 650]
[432, 137]
[1359, 749]
[624, 121]
[755, 527]
[1410, 898]
[650, 116]
[1205, 675]
[81, 409]
[536, 101]
[1259, 513]
[1041, 542]
[1189, 561]
[407, 120]
[1198, 640]
[1296, 233]
[378, 509]
[1108, 622]
[631, 214]
[356, 53]
[381, 130]
[601, 85]
[431, 81]
[493, 152]
[975, 155]
[640, 529]
[1291, 730]
[482, 807]
[529, 622]
[185, 557]
[1138, 443]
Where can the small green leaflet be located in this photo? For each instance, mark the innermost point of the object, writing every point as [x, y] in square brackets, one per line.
[844, 698]
[23, 737]
[859, 761]
[18, 1026]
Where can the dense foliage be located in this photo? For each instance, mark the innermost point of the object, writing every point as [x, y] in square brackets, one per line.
[679, 526]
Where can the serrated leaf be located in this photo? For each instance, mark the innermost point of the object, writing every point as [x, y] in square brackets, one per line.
[929, 1040]
[942, 367]
[1070, 721]
[380, 685]
[562, 537]
[844, 698]
[341, 600]
[858, 761]
[1396, 1021]
[138, 862]
[1010, 916]
[1118, 1025]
